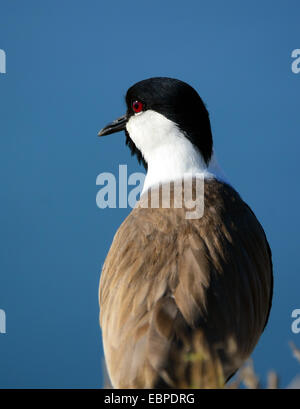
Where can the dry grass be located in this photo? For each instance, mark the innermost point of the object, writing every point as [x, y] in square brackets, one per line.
[250, 379]
[200, 368]
[204, 369]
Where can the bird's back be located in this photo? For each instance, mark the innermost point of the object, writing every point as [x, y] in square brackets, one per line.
[170, 284]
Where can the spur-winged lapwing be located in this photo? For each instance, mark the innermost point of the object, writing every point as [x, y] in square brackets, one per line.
[169, 278]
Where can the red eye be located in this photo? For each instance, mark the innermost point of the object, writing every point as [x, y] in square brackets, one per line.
[137, 106]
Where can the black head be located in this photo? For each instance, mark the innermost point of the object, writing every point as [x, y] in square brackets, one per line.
[178, 102]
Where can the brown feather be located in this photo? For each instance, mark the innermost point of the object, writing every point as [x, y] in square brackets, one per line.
[167, 278]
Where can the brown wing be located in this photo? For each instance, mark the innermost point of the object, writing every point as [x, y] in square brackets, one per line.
[167, 277]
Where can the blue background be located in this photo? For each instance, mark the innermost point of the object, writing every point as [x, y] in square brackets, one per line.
[69, 64]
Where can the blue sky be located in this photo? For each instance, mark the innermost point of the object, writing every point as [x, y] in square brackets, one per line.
[69, 65]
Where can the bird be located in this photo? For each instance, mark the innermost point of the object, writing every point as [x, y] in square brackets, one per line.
[170, 282]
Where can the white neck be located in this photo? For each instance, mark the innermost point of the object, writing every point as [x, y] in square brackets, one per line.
[168, 153]
[169, 163]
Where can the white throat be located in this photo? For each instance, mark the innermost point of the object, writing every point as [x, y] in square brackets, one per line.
[169, 154]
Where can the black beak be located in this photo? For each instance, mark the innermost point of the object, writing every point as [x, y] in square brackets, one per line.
[115, 126]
